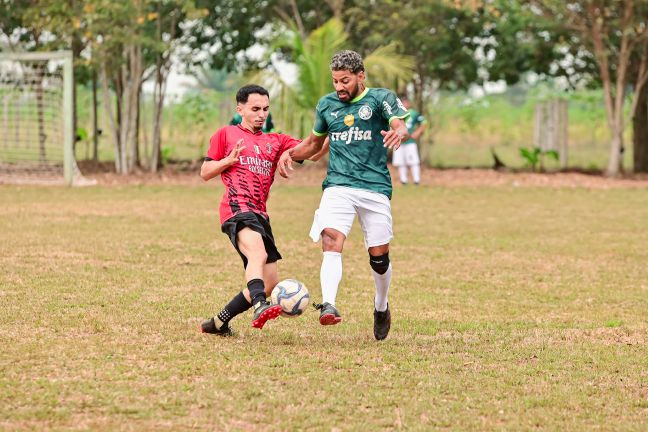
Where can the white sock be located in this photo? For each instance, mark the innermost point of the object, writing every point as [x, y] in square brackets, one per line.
[416, 173]
[402, 173]
[330, 276]
[382, 288]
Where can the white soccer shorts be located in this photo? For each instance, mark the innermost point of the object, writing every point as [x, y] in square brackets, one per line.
[406, 154]
[339, 206]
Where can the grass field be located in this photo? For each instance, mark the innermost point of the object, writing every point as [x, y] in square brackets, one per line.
[514, 309]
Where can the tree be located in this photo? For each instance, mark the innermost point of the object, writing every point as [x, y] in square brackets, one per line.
[615, 33]
[312, 57]
[116, 40]
[165, 28]
[441, 36]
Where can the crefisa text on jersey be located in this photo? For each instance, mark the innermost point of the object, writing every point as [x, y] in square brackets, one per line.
[353, 134]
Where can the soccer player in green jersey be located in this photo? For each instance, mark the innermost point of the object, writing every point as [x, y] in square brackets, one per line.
[407, 155]
[361, 125]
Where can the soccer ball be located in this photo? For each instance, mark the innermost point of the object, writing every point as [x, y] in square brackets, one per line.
[292, 296]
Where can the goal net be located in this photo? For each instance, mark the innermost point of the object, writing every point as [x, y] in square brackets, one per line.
[36, 119]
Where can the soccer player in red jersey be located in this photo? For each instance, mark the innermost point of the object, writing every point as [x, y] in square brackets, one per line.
[246, 159]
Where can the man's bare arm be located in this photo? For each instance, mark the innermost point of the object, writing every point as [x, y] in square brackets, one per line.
[418, 132]
[309, 147]
[214, 168]
[325, 148]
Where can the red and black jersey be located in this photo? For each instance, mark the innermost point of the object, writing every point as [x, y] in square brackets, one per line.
[247, 183]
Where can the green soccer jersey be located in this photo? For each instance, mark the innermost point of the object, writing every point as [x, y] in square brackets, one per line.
[357, 157]
[413, 121]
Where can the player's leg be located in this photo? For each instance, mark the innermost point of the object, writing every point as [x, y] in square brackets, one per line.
[270, 277]
[258, 249]
[416, 174]
[402, 174]
[414, 162]
[251, 244]
[332, 223]
[375, 219]
[382, 273]
[242, 301]
[331, 275]
[398, 160]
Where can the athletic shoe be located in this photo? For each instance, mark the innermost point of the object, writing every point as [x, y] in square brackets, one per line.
[382, 323]
[328, 314]
[264, 311]
[209, 326]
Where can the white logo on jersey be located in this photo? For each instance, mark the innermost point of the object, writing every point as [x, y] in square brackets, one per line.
[387, 108]
[354, 133]
[269, 148]
[256, 165]
[256, 149]
[400, 104]
[365, 112]
[335, 113]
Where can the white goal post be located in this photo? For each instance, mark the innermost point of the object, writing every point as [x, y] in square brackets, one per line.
[36, 118]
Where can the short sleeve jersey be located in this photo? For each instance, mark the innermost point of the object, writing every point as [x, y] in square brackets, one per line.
[247, 183]
[413, 121]
[357, 157]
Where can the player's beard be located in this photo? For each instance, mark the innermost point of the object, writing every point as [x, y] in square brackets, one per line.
[352, 94]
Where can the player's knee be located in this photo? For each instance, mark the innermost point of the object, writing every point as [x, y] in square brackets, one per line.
[380, 263]
[332, 241]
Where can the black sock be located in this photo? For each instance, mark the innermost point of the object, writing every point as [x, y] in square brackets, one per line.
[257, 290]
[237, 305]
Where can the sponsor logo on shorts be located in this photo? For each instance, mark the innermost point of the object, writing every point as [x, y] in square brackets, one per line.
[365, 112]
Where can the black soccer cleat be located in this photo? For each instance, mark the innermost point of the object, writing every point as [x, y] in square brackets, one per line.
[264, 311]
[209, 326]
[329, 315]
[382, 323]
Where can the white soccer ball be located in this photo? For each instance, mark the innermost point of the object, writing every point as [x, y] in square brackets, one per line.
[292, 296]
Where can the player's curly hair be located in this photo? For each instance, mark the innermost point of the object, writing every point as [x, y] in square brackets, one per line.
[347, 60]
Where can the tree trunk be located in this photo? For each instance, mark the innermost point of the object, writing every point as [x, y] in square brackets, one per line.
[114, 127]
[616, 151]
[95, 123]
[158, 105]
[131, 77]
[640, 132]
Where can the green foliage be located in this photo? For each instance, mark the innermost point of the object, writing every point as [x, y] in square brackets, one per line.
[312, 57]
[167, 153]
[535, 157]
[440, 37]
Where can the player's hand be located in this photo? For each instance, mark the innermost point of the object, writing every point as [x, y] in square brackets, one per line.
[391, 139]
[285, 164]
[233, 156]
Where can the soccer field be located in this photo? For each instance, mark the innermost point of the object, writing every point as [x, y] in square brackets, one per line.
[514, 308]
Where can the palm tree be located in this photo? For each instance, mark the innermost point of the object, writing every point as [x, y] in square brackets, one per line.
[312, 56]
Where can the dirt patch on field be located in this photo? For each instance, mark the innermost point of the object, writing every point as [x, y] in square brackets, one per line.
[313, 174]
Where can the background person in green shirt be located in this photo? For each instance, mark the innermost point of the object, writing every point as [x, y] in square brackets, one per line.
[268, 125]
[407, 154]
[361, 125]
